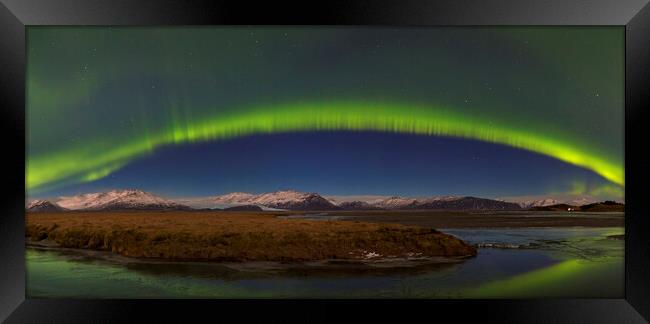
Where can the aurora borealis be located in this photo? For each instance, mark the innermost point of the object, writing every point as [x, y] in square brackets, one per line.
[101, 100]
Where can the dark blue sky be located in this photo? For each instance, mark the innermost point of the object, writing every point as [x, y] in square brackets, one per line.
[345, 163]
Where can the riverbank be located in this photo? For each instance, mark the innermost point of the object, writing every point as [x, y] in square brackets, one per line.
[485, 219]
[237, 237]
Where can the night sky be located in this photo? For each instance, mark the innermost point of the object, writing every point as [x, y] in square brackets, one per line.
[342, 111]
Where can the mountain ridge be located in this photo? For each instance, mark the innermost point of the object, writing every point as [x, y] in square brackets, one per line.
[126, 199]
[42, 205]
[283, 199]
[295, 200]
[135, 199]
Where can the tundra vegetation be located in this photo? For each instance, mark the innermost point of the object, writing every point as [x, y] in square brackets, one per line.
[236, 236]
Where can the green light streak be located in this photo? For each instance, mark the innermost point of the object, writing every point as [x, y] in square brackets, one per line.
[528, 283]
[547, 282]
[579, 187]
[96, 160]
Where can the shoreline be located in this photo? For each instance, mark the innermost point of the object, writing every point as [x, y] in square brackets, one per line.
[251, 269]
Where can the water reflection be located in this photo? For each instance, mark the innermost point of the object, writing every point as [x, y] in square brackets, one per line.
[566, 262]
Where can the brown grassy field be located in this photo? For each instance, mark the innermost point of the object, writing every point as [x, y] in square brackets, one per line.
[237, 236]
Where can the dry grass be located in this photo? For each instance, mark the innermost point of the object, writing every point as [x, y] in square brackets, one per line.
[236, 236]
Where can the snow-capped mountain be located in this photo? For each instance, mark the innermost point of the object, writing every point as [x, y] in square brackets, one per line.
[435, 203]
[538, 203]
[581, 201]
[234, 198]
[551, 201]
[43, 206]
[285, 199]
[438, 198]
[394, 202]
[119, 200]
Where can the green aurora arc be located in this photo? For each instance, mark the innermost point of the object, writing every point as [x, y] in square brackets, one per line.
[97, 160]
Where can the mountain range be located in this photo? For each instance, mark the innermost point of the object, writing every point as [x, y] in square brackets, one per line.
[284, 199]
[130, 199]
[605, 206]
[133, 199]
[542, 201]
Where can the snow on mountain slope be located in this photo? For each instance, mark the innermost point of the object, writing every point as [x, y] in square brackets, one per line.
[280, 197]
[284, 199]
[440, 198]
[43, 206]
[234, 198]
[394, 202]
[538, 203]
[581, 201]
[118, 199]
[550, 201]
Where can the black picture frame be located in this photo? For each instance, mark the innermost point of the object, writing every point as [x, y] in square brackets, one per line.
[634, 15]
